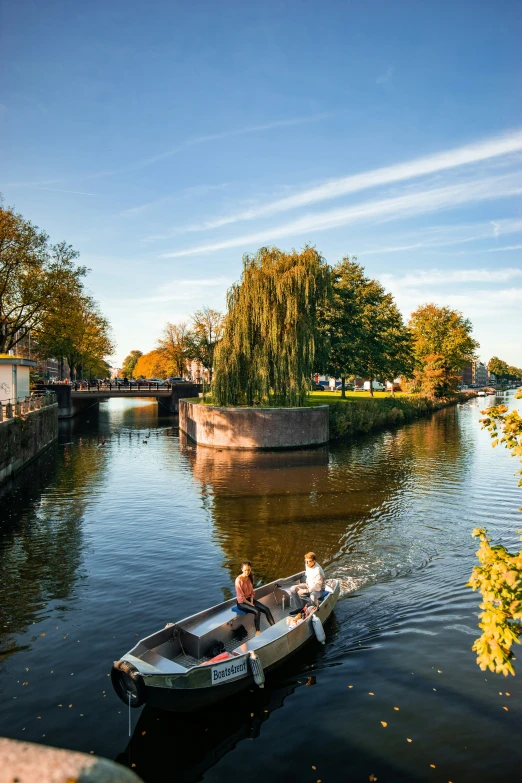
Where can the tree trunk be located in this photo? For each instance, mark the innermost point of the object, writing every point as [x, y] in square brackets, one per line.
[343, 386]
[371, 387]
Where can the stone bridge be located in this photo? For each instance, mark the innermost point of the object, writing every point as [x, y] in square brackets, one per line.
[77, 397]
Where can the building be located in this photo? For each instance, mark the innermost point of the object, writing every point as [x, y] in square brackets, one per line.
[44, 369]
[480, 374]
[475, 374]
[14, 378]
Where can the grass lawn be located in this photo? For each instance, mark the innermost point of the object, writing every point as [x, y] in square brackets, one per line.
[329, 397]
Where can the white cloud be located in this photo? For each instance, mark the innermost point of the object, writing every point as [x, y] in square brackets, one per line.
[506, 247]
[442, 161]
[442, 277]
[414, 203]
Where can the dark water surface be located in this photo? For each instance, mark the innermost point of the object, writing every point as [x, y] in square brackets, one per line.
[121, 528]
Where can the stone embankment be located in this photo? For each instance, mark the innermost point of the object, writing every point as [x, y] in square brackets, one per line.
[26, 762]
[253, 428]
[357, 416]
[26, 429]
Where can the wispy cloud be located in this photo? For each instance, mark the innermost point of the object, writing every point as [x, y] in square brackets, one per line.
[414, 203]
[385, 77]
[442, 277]
[506, 247]
[190, 192]
[431, 164]
[144, 162]
[178, 291]
[447, 236]
[60, 190]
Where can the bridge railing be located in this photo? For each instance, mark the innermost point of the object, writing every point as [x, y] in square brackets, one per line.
[120, 386]
[10, 409]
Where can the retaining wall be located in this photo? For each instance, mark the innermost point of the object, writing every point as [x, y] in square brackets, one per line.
[254, 428]
[23, 438]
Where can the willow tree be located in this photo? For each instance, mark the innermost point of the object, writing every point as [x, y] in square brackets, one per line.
[267, 351]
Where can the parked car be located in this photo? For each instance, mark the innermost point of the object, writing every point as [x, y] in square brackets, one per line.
[347, 386]
[376, 386]
[316, 386]
[174, 380]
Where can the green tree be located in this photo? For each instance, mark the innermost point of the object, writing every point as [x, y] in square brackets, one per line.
[77, 331]
[267, 352]
[207, 330]
[499, 575]
[175, 346]
[442, 345]
[129, 363]
[499, 368]
[34, 277]
[365, 329]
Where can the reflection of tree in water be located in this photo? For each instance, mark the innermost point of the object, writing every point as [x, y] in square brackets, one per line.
[41, 534]
[272, 507]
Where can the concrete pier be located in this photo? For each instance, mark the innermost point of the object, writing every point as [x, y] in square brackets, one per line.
[27, 762]
[254, 428]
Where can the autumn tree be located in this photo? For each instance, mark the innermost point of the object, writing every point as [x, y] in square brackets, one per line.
[499, 575]
[175, 346]
[34, 277]
[129, 363]
[151, 365]
[76, 330]
[364, 327]
[267, 351]
[207, 330]
[442, 345]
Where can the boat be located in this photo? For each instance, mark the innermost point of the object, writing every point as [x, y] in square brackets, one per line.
[213, 654]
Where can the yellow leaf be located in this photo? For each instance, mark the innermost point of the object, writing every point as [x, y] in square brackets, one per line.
[143, 733]
[505, 708]
[383, 723]
[371, 694]
[433, 766]
[408, 739]
[372, 778]
[313, 767]
[396, 708]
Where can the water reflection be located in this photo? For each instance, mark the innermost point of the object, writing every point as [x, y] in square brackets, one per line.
[41, 537]
[200, 740]
[349, 503]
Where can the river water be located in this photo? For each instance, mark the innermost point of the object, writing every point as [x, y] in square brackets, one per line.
[122, 527]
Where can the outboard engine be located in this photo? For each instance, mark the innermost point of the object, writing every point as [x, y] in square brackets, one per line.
[257, 670]
[318, 629]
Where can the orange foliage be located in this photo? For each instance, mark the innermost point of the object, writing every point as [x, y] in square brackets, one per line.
[152, 365]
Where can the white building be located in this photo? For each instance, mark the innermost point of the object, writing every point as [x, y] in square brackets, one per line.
[14, 378]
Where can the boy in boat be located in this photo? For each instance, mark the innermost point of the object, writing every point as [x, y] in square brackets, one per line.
[314, 584]
[246, 597]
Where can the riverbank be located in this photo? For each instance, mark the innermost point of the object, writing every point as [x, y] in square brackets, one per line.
[357, 414]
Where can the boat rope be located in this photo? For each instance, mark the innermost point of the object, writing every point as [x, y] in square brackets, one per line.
[129, 715]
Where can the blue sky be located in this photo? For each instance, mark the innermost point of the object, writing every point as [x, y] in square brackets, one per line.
[165, 139]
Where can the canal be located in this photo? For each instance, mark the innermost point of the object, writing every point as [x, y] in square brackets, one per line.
[122, 527]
